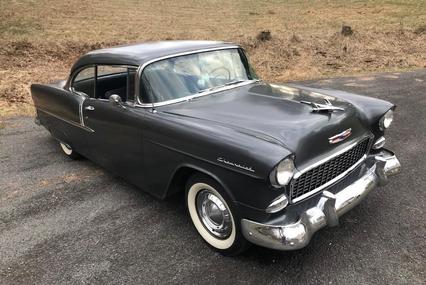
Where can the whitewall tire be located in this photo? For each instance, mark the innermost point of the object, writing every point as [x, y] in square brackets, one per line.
[213, 217]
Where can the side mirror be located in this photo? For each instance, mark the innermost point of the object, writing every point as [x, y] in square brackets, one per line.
[116, 100]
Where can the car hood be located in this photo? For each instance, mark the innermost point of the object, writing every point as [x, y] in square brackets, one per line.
[275, 113]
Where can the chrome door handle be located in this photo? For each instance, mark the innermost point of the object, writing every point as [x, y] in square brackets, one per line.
[89, 108]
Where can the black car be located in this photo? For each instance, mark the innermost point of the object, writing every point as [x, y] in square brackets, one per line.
[258, 163]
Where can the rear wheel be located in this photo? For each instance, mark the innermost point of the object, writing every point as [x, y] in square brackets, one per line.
[69, 151]
[213, 215]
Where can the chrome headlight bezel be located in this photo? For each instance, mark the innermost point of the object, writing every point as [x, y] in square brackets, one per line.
[386, 120]
[282, 174]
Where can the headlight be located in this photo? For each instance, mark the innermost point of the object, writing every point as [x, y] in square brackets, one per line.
[283, 173]
[386, 120]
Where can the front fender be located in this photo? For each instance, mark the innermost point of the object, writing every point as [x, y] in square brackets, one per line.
[219, 145]
[237, 160]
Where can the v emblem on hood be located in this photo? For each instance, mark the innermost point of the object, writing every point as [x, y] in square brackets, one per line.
[340, 137]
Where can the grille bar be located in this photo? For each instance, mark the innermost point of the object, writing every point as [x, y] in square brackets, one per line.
[316, 177]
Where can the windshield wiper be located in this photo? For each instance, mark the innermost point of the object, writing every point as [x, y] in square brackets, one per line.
[220, 86]
[234, 82]
[210, 89]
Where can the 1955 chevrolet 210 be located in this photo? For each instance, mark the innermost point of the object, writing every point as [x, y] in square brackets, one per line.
[258, 163]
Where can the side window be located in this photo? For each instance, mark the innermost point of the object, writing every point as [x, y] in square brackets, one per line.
[105, 70]
[85, 81]
[116, 80]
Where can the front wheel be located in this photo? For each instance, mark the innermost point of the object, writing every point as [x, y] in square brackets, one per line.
[214, 216]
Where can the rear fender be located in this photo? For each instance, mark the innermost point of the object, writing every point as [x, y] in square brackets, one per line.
[55, 101]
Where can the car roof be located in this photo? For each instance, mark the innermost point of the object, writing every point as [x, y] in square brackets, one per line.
[141, 53]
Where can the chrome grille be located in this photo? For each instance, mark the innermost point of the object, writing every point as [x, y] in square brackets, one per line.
[318, 176]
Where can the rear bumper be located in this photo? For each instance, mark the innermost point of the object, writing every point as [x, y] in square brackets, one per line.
[326, 212]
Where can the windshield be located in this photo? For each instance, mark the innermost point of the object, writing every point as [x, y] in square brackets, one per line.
[186, 75]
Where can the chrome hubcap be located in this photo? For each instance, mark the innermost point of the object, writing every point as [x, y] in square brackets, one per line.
[214, 214]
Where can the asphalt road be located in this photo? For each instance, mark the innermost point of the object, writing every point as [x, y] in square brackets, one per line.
[64, 221]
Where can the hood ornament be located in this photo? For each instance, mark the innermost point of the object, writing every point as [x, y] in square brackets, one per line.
[326, 107]
[340, 137]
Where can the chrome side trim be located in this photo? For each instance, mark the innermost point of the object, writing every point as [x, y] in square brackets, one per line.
[68, 121]
[140, 69]
[337, 178]
[80, 112]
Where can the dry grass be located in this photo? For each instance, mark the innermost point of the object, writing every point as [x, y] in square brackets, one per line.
[39, 40]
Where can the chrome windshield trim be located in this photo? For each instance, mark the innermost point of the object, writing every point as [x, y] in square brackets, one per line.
[340, 176]
[140, 69]
[298, 173]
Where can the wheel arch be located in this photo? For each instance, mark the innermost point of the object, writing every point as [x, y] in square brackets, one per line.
[60, 136]
[184, 172]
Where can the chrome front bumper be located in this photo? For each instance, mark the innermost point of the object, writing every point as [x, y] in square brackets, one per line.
[327, 211]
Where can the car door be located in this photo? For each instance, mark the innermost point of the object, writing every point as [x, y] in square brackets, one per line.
[116, 140]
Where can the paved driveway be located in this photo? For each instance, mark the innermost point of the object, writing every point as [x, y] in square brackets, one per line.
[64, 221]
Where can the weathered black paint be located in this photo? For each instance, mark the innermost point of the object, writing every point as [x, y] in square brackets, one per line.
[256, 125]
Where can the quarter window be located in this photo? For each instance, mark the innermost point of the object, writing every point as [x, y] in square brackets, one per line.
[84, 81]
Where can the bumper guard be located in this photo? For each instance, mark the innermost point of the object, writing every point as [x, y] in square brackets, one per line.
[327, 211]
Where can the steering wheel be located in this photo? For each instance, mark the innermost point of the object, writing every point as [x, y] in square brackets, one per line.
[220, 68]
